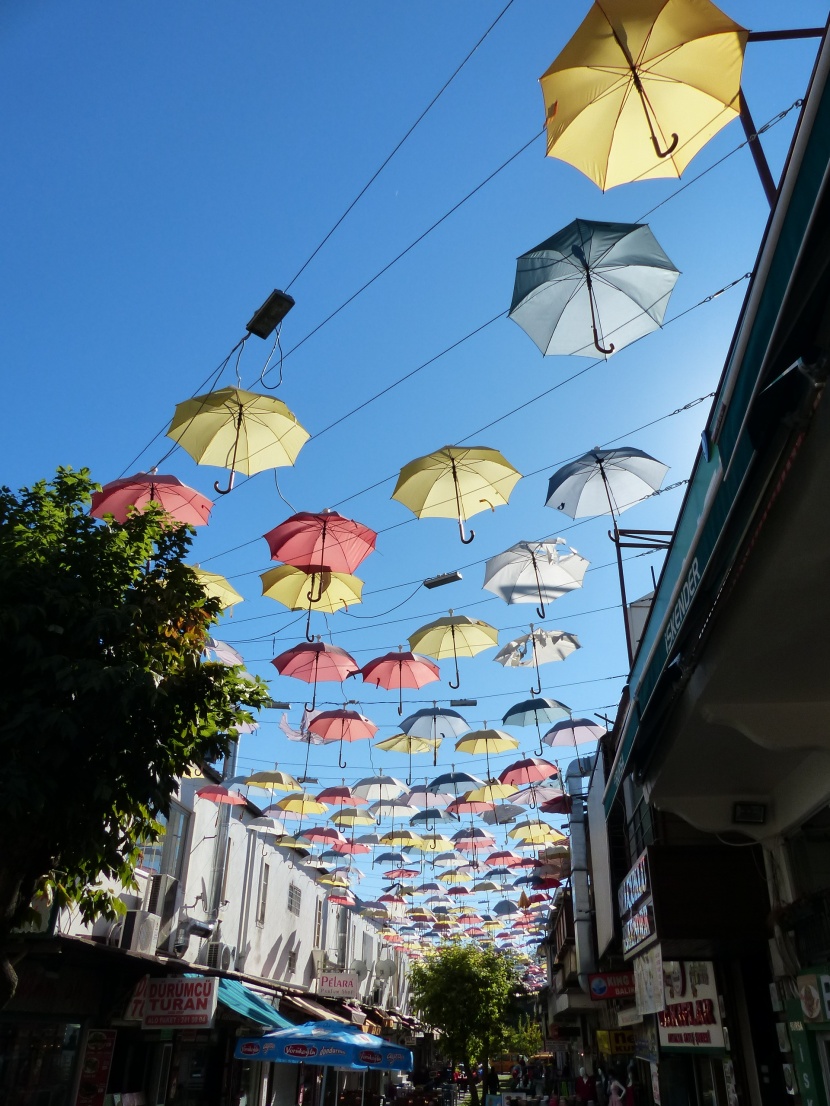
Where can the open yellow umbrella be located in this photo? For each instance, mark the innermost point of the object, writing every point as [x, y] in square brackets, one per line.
[403, 838]
[237, 430]
[456, 482]
[319, 591]
[301, 803]
[352, 816]
[641, 87]
[536, 833]
[217, 587]
[408, 743]
[487, 742]
[273, 780]
[454, 636]
[437, 843]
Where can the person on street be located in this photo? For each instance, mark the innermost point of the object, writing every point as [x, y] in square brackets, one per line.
[492, 1081]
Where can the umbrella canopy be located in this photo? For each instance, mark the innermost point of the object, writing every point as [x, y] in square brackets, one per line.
[574, 731]
[527, 771]
[322, 590]
[456, 482]
[538, 647]
[454, 636]
[265, 825]
[351, 816]
[133, 493]
[592, 287]
[217, 587]
[339, 796]
[431, 816]
[423, 797]
[391, 808]
[342, 725]
[435, 722]
[395, 671]
[604, 482]
[449, 782]
[502, 814]
[560, 804]
[535, 572]
[220, 795]
[273, 779]
[350, 848]
[316, 662]
[237, 430]
[406, 743]
[299, 804]
[404, 838]
[436, 843]
[486, 741]
[325, 1044]
[465, 805]
[378, 787]
[533, 712]
[641, 87]
[221, 652]
[321, 541]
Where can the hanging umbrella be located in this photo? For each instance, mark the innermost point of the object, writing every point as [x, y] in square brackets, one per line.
[423, 796]
[323, 835]
[560, 804]
[531, 712]
[339, 796]
[454, 636]
[641, 87]
[399, 670]
[299, 804]
[538, 647]
[391, 808]
[456, 482]
[392, 857]
[220, 795]
[378, 787]
[404, 838]
[222, 653]
[436, 842]
[133, 493]
[529, 770]
[537, 795]
[272, 779]
[573, 732]
[473, 838]
[535, 571]
[464, 805]
[342, 725]
[449, 782]
[609, 282]
[350, 848]
[502, 814]
[322, 591]
[266, 825]
[536, 832]
[606, 482]
[431, 816]
[316, 662]
[351, 816]
[217, 587]
[504, 858]
[321, 541]
[409, 744]
[492, 791]
[402, 873]
[237, 430]
[487, 742]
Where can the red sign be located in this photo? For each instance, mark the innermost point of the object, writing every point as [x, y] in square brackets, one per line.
[178, 1003]
[605, 985]
[249, 1049]
[369, 1057]
[303, 1051]
[95, 1068]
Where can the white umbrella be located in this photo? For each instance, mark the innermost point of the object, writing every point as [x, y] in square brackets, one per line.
[538, 647]
[531, 572]
[378, 787]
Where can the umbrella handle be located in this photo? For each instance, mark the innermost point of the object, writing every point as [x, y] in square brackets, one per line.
[664, 153]
[308, 634]
[466, 541]
[455, 686]
[340, 762]
[224, 491]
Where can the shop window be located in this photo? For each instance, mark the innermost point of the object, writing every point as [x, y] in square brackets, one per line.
[263, 894]
[295, 898]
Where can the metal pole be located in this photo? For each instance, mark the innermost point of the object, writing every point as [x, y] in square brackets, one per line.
[757, 151]
[323, 1088]
[615, 538]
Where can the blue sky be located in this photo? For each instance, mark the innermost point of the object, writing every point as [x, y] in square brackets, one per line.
[166, 166]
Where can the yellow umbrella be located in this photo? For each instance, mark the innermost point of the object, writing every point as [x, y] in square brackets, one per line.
[454, 636]
[320, 591]
[437, 843]
[301, 803]
[351, 816]
[273, 780]
[333, 881]
[486, 741]
[217, 587]
[288, 841]
[456, 482]
[405, 838]
[237, 430]
[452, 875]
[641, 87]
[490, 793]
[536, 833]
[408, 743]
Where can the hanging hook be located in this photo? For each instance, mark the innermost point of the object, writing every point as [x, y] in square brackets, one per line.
[308, 634]
[224, 491]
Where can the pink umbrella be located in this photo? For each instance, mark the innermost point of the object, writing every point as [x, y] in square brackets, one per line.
[321, 541]
[504, 859]
[536, 795]
[316, 662]
[340, 796]
[219, 795]
[182, 503]
[350, 848]
[399, 670]
[323, 835]
[342, 725]
[342, 898]
[401, 873]
[473, 839]
[469, 806]
[527, 771]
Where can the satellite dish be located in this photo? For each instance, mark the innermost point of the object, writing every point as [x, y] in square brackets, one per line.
[360, 968]
[384, 969]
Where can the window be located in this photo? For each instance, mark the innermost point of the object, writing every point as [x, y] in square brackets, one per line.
[292, 961]
[166, 855]
[295, 897]
[263, 894]
[318, 924]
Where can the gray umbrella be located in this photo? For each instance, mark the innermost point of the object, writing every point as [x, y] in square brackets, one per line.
[604, 482]
[609, 282]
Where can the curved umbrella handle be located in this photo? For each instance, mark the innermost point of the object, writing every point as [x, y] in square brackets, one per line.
[667, 152]
[224, 491]
[538, 689]
[455, 686]
[308, 634]
[340, 762]
[465, 540]
[310, 596]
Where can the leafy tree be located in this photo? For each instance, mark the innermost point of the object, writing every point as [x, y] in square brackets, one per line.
[525, 1038]
[104, 699]
[466, 992]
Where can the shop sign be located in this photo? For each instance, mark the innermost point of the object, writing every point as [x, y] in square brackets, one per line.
[631, 1016]
[135, 1007]
[691, 1016]
[814, 995]
[177, 1003]
[95, 1067]
[638, 928]
[805, 1056]
[648, 981]
[604, 985]
[338, 985]
[634, 886]
[615, 1042]
[645, 1041]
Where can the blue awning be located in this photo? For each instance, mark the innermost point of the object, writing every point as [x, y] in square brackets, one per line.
[242, 1000]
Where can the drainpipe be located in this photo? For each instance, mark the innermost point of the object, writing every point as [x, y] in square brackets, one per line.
[580, 891]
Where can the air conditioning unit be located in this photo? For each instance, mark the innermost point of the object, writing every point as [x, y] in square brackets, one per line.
[321, 960]
[220, 955]
[160, 898]
[140, 931]
[360, 968]
[384, 969]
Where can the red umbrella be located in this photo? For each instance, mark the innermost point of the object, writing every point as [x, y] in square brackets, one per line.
[559, 805]
[323, 835]
[527, 771]
[220, 795]
[504, 859]
[316, 662]
[350, 848]
[399, 670]
[341, 725]
[340, 796]
[342, 898]
[321, 541]
[180, 502]
[401, 873]
[469, 806]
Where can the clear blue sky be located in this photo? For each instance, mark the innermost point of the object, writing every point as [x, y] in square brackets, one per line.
[165, 166]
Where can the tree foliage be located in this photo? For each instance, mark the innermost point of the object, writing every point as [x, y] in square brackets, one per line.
[525, 1038]
[105, 699]
[466, 991]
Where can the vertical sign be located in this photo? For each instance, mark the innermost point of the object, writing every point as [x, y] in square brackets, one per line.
[95, 1067]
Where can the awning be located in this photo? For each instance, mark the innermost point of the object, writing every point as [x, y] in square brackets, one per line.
[312, 1009]
[245, 1002]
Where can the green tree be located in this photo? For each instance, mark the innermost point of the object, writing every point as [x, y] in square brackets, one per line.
[104, 697]
[525, 1038]
[466, 992]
